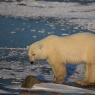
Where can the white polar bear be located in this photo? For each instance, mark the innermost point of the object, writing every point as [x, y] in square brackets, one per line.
[58, 51]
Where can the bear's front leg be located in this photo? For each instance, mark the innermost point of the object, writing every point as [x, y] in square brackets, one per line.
[58, 68]
[59, 71]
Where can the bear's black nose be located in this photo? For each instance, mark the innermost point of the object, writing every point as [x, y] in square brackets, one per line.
[32, 62]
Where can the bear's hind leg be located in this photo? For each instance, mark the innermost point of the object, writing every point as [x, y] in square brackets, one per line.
[90, 78]
[92, 74]
[84, 82]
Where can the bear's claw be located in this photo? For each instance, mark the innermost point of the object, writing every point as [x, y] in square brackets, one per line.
[82, 83]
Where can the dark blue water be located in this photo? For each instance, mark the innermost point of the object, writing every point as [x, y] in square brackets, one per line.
[20, 32]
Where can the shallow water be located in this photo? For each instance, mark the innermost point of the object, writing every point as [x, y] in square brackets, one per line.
[18, 32]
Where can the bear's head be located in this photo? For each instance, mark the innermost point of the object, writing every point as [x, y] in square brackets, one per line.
[37, 51]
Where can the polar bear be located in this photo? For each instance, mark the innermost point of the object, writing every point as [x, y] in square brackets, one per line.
[58, 51]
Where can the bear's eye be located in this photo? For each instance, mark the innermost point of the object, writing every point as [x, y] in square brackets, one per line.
[33, 54]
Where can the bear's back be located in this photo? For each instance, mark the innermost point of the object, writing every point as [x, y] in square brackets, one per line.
[83, 35]
[79, 38]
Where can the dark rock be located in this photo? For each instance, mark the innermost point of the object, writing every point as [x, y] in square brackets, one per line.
[30, 81]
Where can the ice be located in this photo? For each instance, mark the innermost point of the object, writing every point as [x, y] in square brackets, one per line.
[13, 32]
[61, 88]
[4, 92]
[82, 15]
[47, 9]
